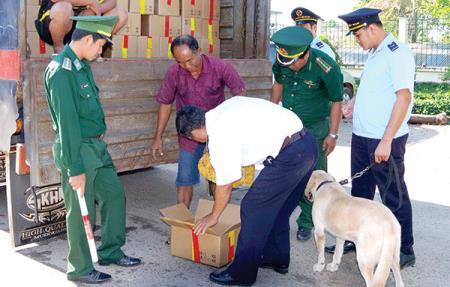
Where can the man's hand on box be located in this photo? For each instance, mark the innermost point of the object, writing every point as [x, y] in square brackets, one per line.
[204, 223]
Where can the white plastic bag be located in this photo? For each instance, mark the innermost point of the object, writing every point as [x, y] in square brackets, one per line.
[8, 116]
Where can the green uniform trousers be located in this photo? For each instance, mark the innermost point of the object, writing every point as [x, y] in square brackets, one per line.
[320, 131]
[104, 188]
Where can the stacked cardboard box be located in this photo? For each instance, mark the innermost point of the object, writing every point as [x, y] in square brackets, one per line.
[152, 25]
[201, 19]
[125, 44]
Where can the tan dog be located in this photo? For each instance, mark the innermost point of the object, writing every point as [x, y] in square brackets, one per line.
[369, 224]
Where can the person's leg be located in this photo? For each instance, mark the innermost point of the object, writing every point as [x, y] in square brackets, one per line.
[111, 201]
[264, 201]
[361, 157]
[60, 23]
[277, 251]
[78, 259]
[304, 220]
[123, 18]
[391, 195]
[188, 174]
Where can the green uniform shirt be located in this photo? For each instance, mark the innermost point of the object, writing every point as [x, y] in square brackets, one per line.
[74, 106]
[310, 91]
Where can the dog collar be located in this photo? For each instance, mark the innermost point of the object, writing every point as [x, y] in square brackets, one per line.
[323, 183]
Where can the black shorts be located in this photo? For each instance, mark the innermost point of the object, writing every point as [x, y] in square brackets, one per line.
[43, 27]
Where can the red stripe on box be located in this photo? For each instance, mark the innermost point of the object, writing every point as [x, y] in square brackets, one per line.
[211, 49]
[125, 41]
[230, 250]
[169, 2]
[166, 26]
[211, 9]
[41, 47]
[196, 248]
[11, 65]
[192, 2]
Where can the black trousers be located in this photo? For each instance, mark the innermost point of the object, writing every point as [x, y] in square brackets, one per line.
[266, 208]
[361, 156]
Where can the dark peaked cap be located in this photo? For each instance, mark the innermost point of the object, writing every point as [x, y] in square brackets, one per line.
[303, 16]
[361, 18]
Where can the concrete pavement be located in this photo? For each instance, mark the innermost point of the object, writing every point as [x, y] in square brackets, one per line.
[427, 177]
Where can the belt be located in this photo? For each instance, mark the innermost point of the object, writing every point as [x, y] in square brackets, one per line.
[293, 138]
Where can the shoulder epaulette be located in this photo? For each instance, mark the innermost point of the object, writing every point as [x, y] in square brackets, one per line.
[67, 64]
[392, 46]
[323, 65]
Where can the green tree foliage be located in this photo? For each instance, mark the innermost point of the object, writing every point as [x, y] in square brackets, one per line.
[417, 11]
[431, 98]
[392, 9]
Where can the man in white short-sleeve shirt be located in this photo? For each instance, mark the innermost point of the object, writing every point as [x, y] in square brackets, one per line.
[381, 111]
[244, 131]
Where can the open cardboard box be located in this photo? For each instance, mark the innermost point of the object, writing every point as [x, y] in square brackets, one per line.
[216, 247]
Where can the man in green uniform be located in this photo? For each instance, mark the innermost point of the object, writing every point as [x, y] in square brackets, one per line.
[309, 83]
[80, 154]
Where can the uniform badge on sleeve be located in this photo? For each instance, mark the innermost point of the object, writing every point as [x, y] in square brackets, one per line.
[392, 46]
[67, 64]
[319, 44]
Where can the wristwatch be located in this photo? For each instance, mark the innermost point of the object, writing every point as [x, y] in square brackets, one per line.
[333, 136]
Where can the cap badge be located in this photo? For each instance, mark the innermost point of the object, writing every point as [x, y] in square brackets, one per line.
[283, 52]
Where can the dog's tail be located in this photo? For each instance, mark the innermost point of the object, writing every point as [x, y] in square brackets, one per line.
[384, 265]
[390, 258]
[396, 262]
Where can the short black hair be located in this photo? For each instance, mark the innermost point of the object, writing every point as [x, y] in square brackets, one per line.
[187, 40]
[78, 34]
[189, 118]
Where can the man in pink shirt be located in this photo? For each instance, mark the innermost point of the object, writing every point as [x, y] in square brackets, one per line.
[197, 80]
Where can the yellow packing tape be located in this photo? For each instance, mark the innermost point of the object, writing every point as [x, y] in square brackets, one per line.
[148, 54]
[210, 34]
[192, 25]
[124, 49]
[142, 6]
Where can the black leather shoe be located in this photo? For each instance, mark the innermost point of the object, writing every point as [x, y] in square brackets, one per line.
[282, 269]
[407, 260]
[125, 261]
[223, 278]
[348, 246]
[304, 234]
[94, 277]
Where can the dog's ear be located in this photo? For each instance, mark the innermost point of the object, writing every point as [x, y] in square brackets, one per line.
[311, 186]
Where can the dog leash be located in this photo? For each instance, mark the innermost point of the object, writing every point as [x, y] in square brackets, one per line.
[393, 170]
[356, 175]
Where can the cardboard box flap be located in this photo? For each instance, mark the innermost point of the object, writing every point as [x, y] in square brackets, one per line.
[177, 212]
[221, 228]
[179, 223]
[229, 219]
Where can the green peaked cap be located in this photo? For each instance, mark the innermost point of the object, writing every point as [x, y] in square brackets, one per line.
[102, 25]
[291, 42]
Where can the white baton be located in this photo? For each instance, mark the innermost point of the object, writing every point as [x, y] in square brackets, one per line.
[87, 226]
